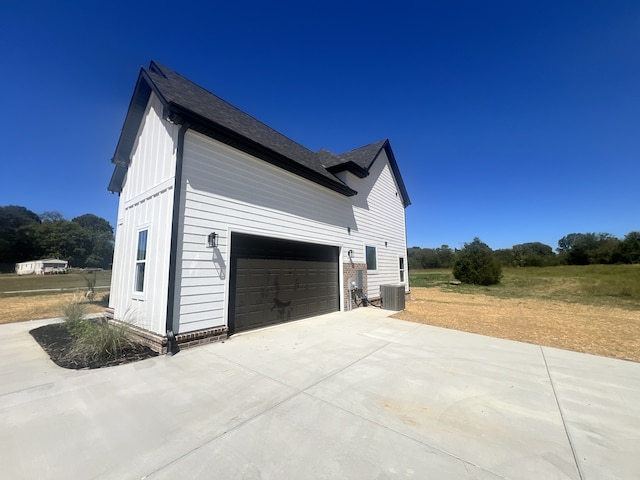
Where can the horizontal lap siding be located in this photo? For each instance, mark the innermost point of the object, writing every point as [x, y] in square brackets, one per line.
[226, 190]
[383, 220]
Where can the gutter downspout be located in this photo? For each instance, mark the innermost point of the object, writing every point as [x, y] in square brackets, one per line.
[172, 345]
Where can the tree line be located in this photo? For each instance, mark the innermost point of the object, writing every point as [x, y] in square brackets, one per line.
[573, 249]
[85, 241]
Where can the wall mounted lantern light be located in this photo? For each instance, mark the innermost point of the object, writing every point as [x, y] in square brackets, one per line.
[212, 240]
[350, 253]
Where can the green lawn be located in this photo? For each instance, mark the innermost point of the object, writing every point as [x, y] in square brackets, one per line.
[612, 285]
[72, 280]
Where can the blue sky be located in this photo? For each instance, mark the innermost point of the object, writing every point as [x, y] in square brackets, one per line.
[513, 121]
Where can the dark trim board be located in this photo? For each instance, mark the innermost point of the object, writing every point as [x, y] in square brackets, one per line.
[274, 281]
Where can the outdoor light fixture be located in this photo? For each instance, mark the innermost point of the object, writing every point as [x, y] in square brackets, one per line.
[350, 253]
[212, 240]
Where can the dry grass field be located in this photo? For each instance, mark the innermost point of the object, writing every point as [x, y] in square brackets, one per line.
[598, 330]
[44, 296]
[592, 309]
[35, 307]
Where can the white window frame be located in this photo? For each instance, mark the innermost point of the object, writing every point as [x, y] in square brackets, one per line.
[366, 258]
[402, 267]
[140, 261]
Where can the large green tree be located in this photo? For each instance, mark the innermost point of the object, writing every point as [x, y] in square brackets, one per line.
[12, 244]
[85, 241]
[588, 248]
[629, 248]
[100, 238]
[533, 254]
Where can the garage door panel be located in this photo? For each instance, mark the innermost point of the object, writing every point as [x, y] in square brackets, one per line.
[274, 290]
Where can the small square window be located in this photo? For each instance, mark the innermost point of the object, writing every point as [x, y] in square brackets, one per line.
[372, 259]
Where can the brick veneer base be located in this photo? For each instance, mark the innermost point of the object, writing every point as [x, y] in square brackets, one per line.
[158, 343]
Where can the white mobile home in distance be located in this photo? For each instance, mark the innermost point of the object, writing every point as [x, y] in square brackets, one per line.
[225, 224]
[42, 267]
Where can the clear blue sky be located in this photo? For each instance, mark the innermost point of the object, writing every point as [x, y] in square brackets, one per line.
[514, 121]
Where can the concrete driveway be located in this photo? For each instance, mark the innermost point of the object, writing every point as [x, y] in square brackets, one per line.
[353, 395]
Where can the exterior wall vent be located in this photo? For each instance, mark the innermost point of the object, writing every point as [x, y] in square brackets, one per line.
[392, 297]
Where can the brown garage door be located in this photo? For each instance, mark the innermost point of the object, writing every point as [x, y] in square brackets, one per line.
[274, 281]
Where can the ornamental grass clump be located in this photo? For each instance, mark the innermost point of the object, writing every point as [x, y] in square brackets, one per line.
[74, 313]
[95, 338]
[101, 340]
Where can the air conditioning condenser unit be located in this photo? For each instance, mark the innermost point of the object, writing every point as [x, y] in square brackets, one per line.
[392, 297]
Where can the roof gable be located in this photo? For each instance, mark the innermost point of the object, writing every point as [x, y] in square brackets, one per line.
[185, 102]
[360, 160]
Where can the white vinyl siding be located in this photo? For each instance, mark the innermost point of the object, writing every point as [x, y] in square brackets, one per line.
[153, 155]
[228, 191]
[225, 190]
[380, 216]
[146, 202]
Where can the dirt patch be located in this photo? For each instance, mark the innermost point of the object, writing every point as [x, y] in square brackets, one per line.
[606, 331]
[56, 340]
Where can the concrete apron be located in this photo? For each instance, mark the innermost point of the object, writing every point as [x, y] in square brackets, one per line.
[346, 395]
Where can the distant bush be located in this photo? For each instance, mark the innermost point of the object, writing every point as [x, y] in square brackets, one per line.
[477, 264]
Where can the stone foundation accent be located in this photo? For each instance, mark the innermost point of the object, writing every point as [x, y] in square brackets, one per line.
[159, 343]
[349, 270]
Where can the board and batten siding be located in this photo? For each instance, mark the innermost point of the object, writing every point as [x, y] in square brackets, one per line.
[225, 190]
[146, 202]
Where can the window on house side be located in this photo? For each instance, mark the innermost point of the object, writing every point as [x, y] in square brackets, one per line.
[372, 260]
[141, 260]
[402, 269]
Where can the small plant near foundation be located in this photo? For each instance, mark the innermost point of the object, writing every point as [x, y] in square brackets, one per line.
[99, 339]
[74, 312]
[81, 342]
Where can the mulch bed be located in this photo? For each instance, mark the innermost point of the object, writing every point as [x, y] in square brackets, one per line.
[56, 340]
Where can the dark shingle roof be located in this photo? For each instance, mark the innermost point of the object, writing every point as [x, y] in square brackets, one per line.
[184, 101]
[359, 161]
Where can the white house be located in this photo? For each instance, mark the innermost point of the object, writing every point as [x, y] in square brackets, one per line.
[42, 267]
[225, 224]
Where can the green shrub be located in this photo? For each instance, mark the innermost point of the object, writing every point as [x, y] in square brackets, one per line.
[477, 264]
